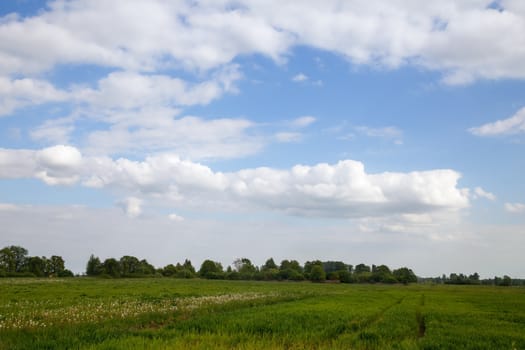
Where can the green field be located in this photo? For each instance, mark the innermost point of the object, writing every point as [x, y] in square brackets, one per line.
[162, 313]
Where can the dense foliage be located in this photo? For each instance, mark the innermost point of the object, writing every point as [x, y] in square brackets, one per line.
[14, 262]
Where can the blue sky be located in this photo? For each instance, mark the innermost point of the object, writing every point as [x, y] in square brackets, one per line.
[386, 133]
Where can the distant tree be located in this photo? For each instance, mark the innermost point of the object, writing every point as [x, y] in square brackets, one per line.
[94, 266]
[405, 275]
[7, 260]
[474, 278]
[345, 277]
[13, 259]
[291, 265]
[129, 265]
[506, 281]
[211, 270]
[269, 264]
[169, 270]
[56, 265]
[189, 267]
[37, 266]
[111, 267]
[317, 273]
[382, 274]
[362, 268]
[145, 268]
[332, 266]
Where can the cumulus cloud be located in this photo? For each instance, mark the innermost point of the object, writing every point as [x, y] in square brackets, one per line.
[466, 41]
[343, 189]
[175, 217]
[300, 78]
[481, 193]
[303, 121]
[189, 136]
[509, 126]
[129, 90]
[132, 206]
[57, 165]
[19, 93]
[515, 208]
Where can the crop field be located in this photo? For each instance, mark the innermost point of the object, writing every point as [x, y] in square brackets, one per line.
[163, 313]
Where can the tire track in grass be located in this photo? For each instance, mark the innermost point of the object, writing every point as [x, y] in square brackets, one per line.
[359, 326]
[420, 318]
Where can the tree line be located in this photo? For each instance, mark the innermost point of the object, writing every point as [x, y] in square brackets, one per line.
[244, 269]
[14, 262]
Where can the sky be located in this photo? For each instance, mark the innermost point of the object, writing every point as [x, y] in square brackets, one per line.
[377, 132]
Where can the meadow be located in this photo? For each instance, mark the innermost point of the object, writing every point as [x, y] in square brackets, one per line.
[166, 313]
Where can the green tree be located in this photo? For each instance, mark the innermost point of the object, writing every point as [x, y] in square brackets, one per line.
[211, 270]
[361, 268]
[317, 274]
[130, 265]
[111, 267]
[245, 268]
[269, 264]
[405, 275]
[56, 265]
[38, 266]
[145, 268]
[94, 266]
[7, 260]
[13, 259]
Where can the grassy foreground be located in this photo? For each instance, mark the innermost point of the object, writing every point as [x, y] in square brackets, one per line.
[196, 314]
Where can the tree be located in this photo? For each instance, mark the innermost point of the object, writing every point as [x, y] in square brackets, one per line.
[405, 275]
[245, 268]
[13, 259]
[188, 267]
[94, 266]
[111, 267]
[129, 264]
[211, 270]
[7, 260]
[317, 274]
[56, 265]
[37, 266]
[269, 264]
[145, 268]
[361, 268]
[507, 281]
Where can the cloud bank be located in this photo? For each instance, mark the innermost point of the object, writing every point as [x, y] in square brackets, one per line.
[343, 189]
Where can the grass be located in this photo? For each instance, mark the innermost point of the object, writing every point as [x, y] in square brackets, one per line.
[197, 314]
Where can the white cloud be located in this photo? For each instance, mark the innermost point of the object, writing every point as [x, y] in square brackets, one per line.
[285, 137]
[19, 93]
[515, 207]
[339, 190]
[300, 78]
[54, 131]
[57, 165]
[509, 126]
[132, 206]
[466, 41]
[303, 121]
[191, 137]
[175, 217]
[389, 133]
[125, 90]
[481, 193]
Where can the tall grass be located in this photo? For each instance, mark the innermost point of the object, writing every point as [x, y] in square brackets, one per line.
[196, 314]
